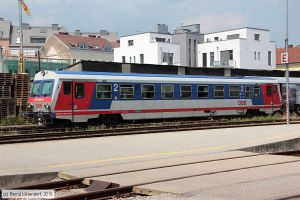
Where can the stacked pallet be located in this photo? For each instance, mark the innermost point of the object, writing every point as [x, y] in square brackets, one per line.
[7, 101]
[22, 87]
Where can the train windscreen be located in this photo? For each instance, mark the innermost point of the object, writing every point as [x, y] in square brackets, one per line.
[41, 88]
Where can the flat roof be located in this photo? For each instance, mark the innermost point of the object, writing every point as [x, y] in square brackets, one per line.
[238, 29]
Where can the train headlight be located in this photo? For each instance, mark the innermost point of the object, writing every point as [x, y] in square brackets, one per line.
[30, 107]
[48, 108]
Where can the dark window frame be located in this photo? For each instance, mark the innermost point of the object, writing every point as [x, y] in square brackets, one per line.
[191, 92]
[256, 88]
[103, 91]
[198, 92]
[223, 91]
[230, 90]
[162, 92]
[248, 91]
[126, 86]
[69, 91]
[76, 91]
[143, 92]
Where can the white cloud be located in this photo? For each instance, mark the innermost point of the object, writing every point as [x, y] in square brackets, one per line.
[217, 22]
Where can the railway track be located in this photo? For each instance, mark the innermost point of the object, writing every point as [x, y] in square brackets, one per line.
[43, 134]
[105, 190]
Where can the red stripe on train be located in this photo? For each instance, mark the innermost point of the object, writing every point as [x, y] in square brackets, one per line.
[76, 112]
[39, 99]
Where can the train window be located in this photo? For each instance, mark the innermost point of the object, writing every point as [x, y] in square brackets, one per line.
[269, 91]
[46, 89]
[79, 90]
[36, 89]
[202, 91]
[256, 91]
[167, 91]
[219, 91]
[234, 91]
[126, 91]
[103, 91]
[67, 88]
[248, 91]
[148, 91]
[186, 91]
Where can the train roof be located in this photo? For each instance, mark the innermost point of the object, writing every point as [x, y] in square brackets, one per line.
[139, 77]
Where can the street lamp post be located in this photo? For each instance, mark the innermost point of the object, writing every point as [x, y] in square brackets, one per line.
[287, 65]
[21, 61]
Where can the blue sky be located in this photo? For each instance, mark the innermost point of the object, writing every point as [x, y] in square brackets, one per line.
[131, 16]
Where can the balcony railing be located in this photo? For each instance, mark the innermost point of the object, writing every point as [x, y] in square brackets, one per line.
[225, 63]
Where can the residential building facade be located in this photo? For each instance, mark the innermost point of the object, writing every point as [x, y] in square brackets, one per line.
[5, 29]
[245, 48]
[76, 48]
[188, 37]
[149, 48]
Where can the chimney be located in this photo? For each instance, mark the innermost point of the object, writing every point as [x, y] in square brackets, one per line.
[77, 32]
[161, 28]
[103, 32]
[25, 26]
[55, 27]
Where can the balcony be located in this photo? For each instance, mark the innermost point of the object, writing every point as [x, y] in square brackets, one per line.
[225, 63]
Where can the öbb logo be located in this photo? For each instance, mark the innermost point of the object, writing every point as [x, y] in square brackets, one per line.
[242, 103]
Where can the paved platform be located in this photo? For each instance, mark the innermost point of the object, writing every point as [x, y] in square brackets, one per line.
[92, 153]
[205, 175]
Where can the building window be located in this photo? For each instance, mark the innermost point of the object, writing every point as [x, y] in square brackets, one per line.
[130, 42]
[258, 55]
[186, 91]
[256, 91]
[38, 40]
[79, 90]
[103, 91]
[202, 91]
[254, 55]
[126, 91]
[269, 58]
[133, 59]
[204, 59]
[157, 39]
[256, 36]
[142, 58]
[74, 61]
[130, 59]
[167, 91]
[148, 92]
[248, 91]
[123, 59]
[212, 58]
[219, 91]
[234, 36]
[230, 54]
[234, 91]
[190, 52]
[18, 40]
[216, 39]
[168, 58]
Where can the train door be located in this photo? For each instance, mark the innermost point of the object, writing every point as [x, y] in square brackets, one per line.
[79, 98]
[271, 96]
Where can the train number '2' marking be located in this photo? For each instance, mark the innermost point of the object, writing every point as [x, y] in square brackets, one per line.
[242, 102]
[115, 87]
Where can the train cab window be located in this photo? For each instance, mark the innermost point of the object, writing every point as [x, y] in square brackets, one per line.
[269, 91]
[67, 88]
[103, 91]
[36, 88]
[256, 91]
[167, 91]
[148, 91]
[248, 91]
[234, 91]
[202, 91]
[46, 89]
[186, 91]
[79, 90]
[126, 91]
[219, 91]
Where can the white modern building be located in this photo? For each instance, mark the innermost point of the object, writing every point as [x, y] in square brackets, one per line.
[148, 48]
[245, 48]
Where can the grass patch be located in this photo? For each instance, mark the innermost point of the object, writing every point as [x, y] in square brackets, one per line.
[8, 121]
